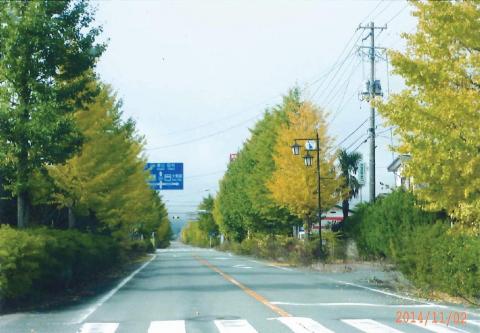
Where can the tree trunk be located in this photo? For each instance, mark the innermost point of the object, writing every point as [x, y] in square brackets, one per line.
[72, 221]
[22, 210]
[22, 164]
[345, 209]
[309, 229]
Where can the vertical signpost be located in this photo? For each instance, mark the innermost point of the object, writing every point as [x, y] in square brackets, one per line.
[361, 178]
[361, 173]
[165, 176]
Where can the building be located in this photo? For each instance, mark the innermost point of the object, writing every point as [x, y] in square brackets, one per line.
[329, 220]
[397, 167]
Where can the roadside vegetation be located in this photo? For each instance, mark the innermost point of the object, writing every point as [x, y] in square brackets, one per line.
[430, 231]
[74, 195]
[267, 192]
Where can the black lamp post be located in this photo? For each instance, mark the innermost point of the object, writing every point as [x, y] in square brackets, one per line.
[308, 159]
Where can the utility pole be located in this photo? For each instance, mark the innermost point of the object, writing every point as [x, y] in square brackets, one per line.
[319, 198]
[373, 90]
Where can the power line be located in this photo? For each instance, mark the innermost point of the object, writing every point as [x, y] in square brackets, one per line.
[216, 120]
[326, 101]
[361, 143]
[206, 136]
[205, 174]
[353, 132]
[389, 3]
[346, 85]
[358, 139]
[396, 14]
[339, 62]
[341, 107]
[385, 130]
[371, 12]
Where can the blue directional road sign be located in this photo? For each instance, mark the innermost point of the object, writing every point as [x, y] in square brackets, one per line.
[165, 176]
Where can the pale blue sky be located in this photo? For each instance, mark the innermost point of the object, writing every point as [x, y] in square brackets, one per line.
[203, 71]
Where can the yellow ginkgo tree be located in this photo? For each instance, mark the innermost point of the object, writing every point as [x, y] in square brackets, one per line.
[437, 115]
[294, 185]
[106, 178]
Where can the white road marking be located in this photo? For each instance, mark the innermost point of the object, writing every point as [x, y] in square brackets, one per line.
[112, 292]
[176, 250]
[438, 328]
[370, 326]
[234, 326]
[271, 265]
[242, 266]
[385, 293]
[474, 322]
[303, 325]
[221, 258]
[403, 297]
[98, 328]
[167, 326]
[359, 304]
[280, 267]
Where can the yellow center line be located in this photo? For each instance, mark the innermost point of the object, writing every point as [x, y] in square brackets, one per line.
[247, 290]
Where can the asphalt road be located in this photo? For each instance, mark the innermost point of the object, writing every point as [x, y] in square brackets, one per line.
[186, 289]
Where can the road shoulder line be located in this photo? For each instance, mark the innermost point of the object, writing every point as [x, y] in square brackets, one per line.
[112, 292]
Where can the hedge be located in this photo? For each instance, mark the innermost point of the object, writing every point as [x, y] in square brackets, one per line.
[423, 245]
[444, 259]
[44, 259]
[280, 248]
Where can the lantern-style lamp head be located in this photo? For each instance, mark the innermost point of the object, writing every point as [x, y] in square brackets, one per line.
[308, 159]
[296, 148]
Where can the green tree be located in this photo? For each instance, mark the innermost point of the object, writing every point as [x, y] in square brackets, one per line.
[244, 203]
[270, 217]
[349, 163]
[46, 47]
[206, 222]
[437, 114]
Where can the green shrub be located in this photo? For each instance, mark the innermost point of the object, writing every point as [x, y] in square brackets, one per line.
[280, 248]
[50, 260]
[379, 228]
[443, 259]
[432, 254]
[334, 246]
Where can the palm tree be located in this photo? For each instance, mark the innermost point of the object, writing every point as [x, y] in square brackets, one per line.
[349, 163]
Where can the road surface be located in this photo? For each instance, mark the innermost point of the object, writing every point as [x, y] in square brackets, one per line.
[185, 289]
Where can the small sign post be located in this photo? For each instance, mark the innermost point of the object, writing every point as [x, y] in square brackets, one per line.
[361, 173]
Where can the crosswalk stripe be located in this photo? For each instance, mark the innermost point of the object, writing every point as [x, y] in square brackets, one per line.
[167, 326]
[438, 327]
[98, 328]
[303, 325]
[370, 326]
[234, 326]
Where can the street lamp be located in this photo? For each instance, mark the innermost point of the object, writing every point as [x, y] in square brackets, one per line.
[296, 148]
[308, 160]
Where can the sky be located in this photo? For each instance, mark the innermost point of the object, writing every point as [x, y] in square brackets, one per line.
[196, 75]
